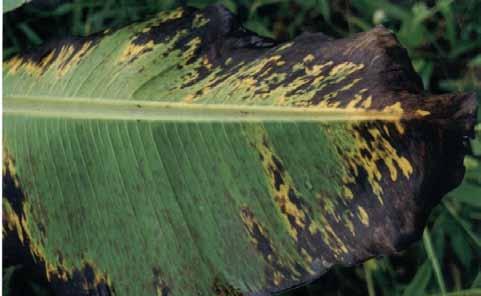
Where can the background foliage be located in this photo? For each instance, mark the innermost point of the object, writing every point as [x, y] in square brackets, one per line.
[443, 38]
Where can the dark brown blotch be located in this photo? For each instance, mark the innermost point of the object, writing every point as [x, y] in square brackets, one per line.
[221, 288]
[159, 283]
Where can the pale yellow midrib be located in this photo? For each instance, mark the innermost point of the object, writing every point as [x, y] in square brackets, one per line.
[114, 109]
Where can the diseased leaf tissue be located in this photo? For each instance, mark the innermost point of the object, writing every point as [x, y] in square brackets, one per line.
[187, 156]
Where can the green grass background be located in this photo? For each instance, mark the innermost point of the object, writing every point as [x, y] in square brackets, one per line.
[443, 38]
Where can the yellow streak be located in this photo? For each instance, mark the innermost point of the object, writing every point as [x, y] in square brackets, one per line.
[132, 50]
[422, 112]
[363, 216]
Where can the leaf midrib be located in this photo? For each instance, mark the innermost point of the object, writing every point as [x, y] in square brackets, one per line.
[115, 109]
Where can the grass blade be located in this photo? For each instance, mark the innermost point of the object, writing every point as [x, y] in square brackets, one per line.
[428, 246]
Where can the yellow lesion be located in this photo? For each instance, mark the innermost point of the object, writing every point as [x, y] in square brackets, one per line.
[347, 218]
[206, 63]
[133, 50]
[313, 76]
[99, 277]
[20, 224]
[193, 73]
[399, 127]
[64, 58]
[422, 113]
[188, 98]
[279, 191]
[14, 64]
[352, 104]
[259, 82]
[61, 270]
[252, 224]
[32, 68]
[162, 17]
[69, 56]
[9, 166]
[395, 108]
[192, 46]
[11, 221]
[284, 46]
[330, 237]
[254, 81]
[366, 103]
[166, 16]
[317, 76]
[278, 278]
[350, 85]
[338, 247]
[308, 58]
[65, 273]
[36, 247]
[342, 70]
[297, 66]
[316, 70]
[297, 212]
[323, 226]
[380, 150]
[199, 21]
[347, 193]
[363, 216]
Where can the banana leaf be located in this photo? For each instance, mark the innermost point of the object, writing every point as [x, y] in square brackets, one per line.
[185, 155]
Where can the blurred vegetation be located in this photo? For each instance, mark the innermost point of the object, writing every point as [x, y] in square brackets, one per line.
[443, 38]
